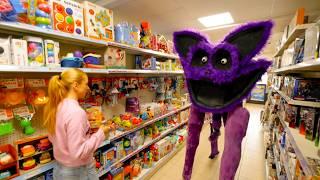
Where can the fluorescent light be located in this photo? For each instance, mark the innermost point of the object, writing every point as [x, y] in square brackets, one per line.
[216, 20]
[219, 27]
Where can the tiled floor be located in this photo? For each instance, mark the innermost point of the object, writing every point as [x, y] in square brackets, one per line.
[252, 165]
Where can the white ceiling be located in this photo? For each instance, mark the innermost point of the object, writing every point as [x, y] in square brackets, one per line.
[167, 16]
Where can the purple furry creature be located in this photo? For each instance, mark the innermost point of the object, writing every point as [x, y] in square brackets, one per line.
[219, 76]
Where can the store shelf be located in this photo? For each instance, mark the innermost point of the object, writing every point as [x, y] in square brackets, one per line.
[297, 102]
[146, 144]
[302, 147]
[296, 32]
[121, 134]
[276, 162]
[15, 27]
[312, 65]
[38, 152]
[147, 173]
[140, 71]
[39, 169]
[137, 51]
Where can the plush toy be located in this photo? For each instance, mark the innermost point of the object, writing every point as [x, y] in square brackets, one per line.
[219, 76]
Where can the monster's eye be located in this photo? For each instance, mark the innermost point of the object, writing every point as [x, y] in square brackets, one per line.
[221, 59]
[200, 58]
[204, 59]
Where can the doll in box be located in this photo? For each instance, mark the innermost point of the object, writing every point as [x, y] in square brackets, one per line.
[219, 76]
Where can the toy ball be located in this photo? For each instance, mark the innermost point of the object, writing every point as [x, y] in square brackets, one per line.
[59, 8]
[91, 11]
[50, 46]
[69, 11]
[69, 20]
[78, 31]
[70, 29]
[50, 53]
[60, 26]
[42, 20]
[39, 59]
[59, 17]
[78, 23]
[44, 7]
[32, 46]
[40, 13]
[78, 54]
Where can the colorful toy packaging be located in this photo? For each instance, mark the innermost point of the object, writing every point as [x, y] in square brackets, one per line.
[115, 58]
[5, 56]
[51, 49]
[12, 92]
[95, 117]
[146, 62]
[36, 91]
[68, 16]
[145, 35]
[39, 13]
[98, 91]
[19, 52]
[6, 125]
[126, 33]
[35, 51]
[98, 22]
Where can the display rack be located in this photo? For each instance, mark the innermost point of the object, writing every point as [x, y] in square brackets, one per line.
[297, 102]
[296, 32]
[147, 173]
[144, 146]
[15, 27]
[306, 65]
[37, 170]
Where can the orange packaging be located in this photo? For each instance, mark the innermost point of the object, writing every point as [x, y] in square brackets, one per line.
[12, 92]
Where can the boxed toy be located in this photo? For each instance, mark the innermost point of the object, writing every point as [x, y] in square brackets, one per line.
[306, 89]
[5, 56]
[51, 49]
[120, 152]
[291, 115]
[298, 53]
[12, 92]
[36, 91]
[312, 40]
[309, 117]
[115, 58]
[109, 157]
[98, 21]
[19, 52]
[146, 62]
[117, 174]
[68, 16]
[35, 51]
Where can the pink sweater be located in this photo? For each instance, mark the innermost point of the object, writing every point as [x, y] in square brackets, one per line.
[73, 146]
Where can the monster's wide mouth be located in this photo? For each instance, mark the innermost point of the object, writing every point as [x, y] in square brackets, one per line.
[211, 95]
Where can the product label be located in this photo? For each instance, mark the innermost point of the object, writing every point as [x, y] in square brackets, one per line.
[34, 83]
[23, 111]
[6, 114]
[12, 83]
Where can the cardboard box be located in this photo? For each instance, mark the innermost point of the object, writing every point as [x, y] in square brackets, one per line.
[67, 16]
[19, 52]
[312, 40]
[5, 56]
[98, 22]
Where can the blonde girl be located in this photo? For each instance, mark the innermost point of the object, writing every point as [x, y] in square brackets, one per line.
[69, 129]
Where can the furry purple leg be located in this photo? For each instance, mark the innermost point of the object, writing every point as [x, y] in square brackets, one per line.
[235, 130]
[195, 126]
[215, 133]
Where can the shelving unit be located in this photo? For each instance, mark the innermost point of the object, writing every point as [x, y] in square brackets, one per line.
[37, 153]
[147, 173]
[146, 144]
[296, 32]
[39, 169]
[306, 65]
[297, 102]
[121, 134]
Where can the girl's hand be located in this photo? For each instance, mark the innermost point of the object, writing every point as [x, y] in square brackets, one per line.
[106, 130]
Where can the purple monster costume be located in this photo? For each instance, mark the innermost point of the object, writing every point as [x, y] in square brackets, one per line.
[219, 77]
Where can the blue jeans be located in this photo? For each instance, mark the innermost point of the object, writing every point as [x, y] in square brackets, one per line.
[86, 172]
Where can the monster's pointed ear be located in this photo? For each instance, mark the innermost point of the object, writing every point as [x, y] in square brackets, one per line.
[250, 38]
[183, 40]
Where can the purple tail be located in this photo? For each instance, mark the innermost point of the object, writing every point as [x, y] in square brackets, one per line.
[235, 131]
[195, 126]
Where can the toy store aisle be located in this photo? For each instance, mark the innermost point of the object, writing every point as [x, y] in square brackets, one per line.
[252, 165]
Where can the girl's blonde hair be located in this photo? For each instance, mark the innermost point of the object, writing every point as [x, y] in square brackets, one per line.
[59, 86]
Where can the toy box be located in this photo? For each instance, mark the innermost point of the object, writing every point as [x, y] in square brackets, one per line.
[35, 51]
[5, 56]
[115, 58]
[146, 62]
[12, 92]
[126, 33]
[19, 52]
[309, 116]
[51, 49]
[109, 157]
[305, 89]
[36, 91]
[68, 16]
[291, 115]
[39, 13]
[98, 21]
[312, 40]
[117, 174]
[120, 152]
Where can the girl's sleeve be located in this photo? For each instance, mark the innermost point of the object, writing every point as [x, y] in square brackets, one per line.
[81, 147]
